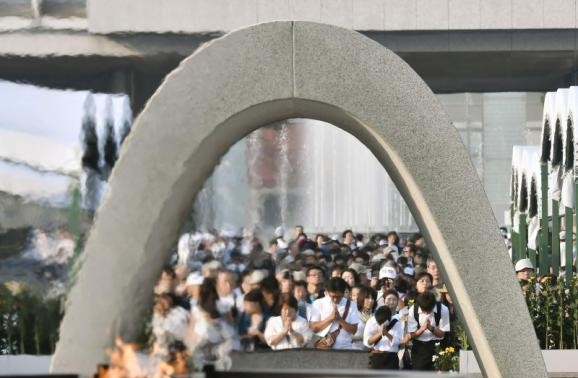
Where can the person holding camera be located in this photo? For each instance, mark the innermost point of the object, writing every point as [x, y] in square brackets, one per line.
[383, 334]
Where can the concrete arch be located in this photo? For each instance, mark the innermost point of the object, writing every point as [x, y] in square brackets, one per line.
[271, 72]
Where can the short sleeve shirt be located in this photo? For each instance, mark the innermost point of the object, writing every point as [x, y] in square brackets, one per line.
[444, 324]
[275, 327]
[323, 307]
[384, 344]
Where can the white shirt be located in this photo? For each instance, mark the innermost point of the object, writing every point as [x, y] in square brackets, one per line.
[323, 307]
[358, 343]
[226, 303]
[275, 327]
[444, 324]
[383, 345]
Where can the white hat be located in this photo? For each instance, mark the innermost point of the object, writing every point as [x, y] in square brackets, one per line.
[299, 275]
[523, 264]
[387, 272]
[195, 278]
[382, 243]
[228, 232]
[213, 265]
[359, 268]
[408, 270]
[279, 232]
[378, 257]
[257, 276]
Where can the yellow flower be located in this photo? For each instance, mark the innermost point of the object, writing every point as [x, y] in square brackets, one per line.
[14, 287]
[450, 349]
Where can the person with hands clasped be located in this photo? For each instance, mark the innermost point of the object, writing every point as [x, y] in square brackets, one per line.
[428, 321]
[382, 335]
[288, 330]
[334, 318]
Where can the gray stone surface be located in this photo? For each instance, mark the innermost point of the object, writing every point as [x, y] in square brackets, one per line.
[400, 14]
[432, 14]
[270, 72]
[464, 14]
[528, 14]
[300, 359]
[368, 14]
[495, 14]
[337, 12]
[186, 16]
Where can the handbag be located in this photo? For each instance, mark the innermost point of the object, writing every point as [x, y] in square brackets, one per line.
[327, 341]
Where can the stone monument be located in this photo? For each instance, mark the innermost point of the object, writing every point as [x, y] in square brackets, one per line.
[266, 73]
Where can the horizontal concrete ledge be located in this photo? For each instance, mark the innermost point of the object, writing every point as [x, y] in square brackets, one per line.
[331, 373]
[56, 43]
[306, 362]
[559, 363]
[110, 16]
[24, 364]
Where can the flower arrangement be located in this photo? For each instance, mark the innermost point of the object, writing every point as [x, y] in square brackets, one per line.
[553, 307]
[446, 359]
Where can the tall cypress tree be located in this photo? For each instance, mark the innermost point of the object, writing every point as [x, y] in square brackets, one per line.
[110, 147]
[90, 154]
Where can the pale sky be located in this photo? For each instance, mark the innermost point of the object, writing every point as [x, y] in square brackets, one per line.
[40, 128]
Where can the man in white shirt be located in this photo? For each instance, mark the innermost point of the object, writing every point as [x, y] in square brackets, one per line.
[327, 314]
[428, 321]
[382, 335]
[230, 302]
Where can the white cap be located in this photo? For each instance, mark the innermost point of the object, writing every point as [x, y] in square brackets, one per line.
[195, 278]
[523, 264]
[279, 232]
[387, 272]
[257, 276]
[378, 257]
[408, 270]
[359, 268]
[299, 276]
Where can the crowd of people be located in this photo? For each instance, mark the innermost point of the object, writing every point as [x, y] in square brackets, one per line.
[375, 293]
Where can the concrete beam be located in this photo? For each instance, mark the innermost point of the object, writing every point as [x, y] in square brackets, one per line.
[182, 16]
[457, 61]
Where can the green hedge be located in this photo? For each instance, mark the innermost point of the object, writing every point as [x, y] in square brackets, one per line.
[553, 306]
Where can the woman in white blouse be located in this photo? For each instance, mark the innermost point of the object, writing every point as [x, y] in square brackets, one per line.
[288, 330]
